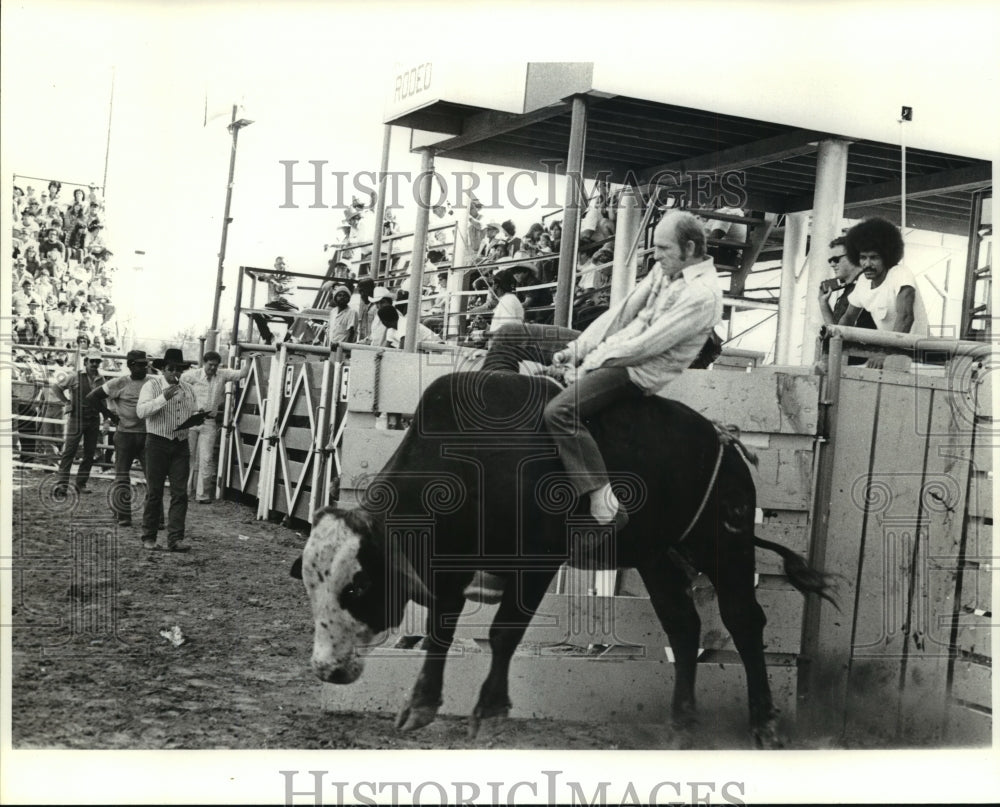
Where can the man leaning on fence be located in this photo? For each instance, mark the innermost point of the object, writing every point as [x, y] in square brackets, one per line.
[84, 422]
[209, 384]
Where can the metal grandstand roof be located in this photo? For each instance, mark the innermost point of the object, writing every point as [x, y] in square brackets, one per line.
[630, 136]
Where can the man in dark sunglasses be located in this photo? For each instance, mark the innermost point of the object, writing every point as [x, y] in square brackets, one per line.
[845, 276]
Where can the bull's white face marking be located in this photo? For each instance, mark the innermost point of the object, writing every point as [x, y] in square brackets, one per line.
[329, 563]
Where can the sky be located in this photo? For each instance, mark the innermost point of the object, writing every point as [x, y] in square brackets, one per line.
[312, 77]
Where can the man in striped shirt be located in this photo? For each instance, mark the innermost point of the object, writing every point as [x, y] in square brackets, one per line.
[166, 402]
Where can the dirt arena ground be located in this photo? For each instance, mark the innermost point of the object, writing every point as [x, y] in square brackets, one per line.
[91, 669]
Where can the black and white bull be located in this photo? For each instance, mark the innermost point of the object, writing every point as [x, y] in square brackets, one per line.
[478, 467]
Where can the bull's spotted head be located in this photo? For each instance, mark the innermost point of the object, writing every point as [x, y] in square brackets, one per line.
[355, 587]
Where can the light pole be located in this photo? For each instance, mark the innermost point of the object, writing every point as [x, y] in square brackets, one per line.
[234, 128]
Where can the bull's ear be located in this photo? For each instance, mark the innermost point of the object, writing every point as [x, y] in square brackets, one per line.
[296, 570]
[400, 568]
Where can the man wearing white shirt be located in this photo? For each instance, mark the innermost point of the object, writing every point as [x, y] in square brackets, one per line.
[209, 385]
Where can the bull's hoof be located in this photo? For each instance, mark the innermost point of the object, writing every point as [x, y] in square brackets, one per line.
[411, 718]
[767, 736]
[494, 716]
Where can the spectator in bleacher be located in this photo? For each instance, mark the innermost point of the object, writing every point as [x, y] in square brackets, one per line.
[43, 283]
[62, 325]
[382, 298]
[18, 204]
[51, 242]
[555, 235]
[209, 385]
[94, 240]
[395, 328]
[83, 423]
[366, 309]
[19, 300]
[490, 238]
[343, 322]
[508, 310]
[726, 254]
[30, 226]
[29, 329]
[510, 236]
[280, 288]
[79, 197]
[55, 187]
[524, 275]
[74, 215]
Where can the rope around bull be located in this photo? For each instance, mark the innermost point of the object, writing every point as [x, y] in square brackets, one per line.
[728, 435]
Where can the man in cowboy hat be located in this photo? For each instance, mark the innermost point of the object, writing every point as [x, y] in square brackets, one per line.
[84, 421]
[130, 430]
[167, 404]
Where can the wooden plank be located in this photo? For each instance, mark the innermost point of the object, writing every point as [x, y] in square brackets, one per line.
[892, 531]
[924, 701]
[972, 683]
[365, 452]
[297, 438]
[767, 399]
[301, 508]
[361, 386]
[249, 424]
[405, 376]
[630, 621]
[596, 690]
[784, 475]
[827, 673]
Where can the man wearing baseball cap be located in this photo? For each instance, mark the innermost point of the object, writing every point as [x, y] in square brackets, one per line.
[84, 422]
[130, 431]
[343, 322]
[382, 298]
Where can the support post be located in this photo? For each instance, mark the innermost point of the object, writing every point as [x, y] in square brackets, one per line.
[793, 255]
[827, 214]
[380, 204]
[234, 127]
[419, 248]
[626, 262]
[571, 212]
[461, 255]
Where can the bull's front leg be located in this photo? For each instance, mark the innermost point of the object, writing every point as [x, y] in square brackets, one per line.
[442, 616]
[520, 602]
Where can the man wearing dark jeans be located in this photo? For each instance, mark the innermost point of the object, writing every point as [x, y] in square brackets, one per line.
[84, 421]
[167, 404]
[130, 433]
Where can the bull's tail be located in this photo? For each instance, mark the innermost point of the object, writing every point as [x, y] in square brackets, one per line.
[800, 574]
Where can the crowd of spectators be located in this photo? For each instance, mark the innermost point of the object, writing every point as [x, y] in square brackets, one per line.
[62, 281]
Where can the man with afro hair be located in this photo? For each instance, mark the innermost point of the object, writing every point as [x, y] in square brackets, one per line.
[886, 288]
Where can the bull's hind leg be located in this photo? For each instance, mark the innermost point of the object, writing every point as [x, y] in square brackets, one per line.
[516, 610]
[732, 574]
[442, 618]
[669, 593]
